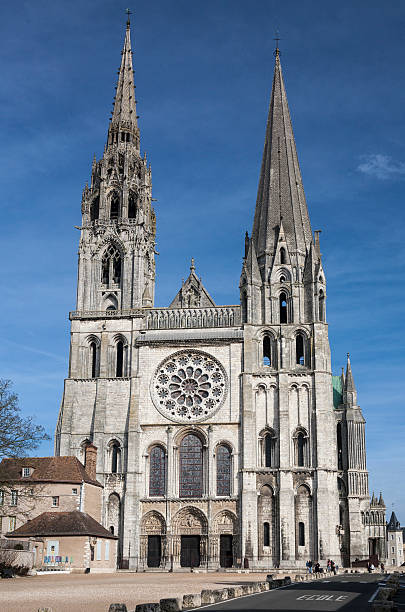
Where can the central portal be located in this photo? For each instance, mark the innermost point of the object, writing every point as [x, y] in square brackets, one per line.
[190, 551]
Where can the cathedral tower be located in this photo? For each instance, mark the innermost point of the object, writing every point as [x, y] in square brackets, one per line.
[117, 244]
[287, 379]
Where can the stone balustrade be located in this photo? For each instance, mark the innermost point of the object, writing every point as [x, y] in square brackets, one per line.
[197, 318]
[170, 318]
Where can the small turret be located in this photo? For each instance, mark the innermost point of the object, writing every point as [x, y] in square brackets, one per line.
[393, 524]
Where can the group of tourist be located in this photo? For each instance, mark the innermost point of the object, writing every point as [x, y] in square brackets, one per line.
[317, 569]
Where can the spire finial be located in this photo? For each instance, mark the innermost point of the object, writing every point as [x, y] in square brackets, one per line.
[277, 39]
[128, 12]
[192, 266]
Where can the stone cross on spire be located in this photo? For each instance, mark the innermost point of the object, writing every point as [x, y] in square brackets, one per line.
[124, 125]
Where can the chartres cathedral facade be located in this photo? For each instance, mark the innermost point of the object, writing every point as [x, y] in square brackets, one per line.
[223, 440]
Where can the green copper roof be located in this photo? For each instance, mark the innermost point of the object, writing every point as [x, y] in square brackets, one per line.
[337, 391]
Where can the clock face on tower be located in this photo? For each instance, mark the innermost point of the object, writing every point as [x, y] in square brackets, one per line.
[189, 386]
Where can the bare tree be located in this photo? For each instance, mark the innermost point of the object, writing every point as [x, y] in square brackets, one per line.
[18, 434]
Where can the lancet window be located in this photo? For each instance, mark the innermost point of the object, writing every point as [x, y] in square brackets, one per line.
[283, 308]
[121, 358]
[301, 534]
[157, 472]
[191, 466]
[95, 209]
[269, 450]
[94, 359]
[114, 206]
[266, 351]
[301, 450]
[266, 534]
[300, 349]
[111, 267]
[224, 459]
[131, 206]
[115, 457]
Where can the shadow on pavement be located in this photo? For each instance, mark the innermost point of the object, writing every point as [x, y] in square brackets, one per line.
[358, 592]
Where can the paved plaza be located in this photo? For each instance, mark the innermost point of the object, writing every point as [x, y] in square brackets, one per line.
[95, 592]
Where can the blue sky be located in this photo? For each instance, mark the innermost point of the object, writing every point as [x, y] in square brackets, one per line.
[203, 72]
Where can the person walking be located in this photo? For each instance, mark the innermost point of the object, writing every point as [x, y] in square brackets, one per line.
[310, 566]
[333, 567]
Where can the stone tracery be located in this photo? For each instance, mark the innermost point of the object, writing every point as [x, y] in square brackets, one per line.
[189, 386]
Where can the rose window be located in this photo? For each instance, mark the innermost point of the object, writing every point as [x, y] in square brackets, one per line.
[189, 386]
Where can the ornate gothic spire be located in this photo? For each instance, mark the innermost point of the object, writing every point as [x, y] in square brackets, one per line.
[124, 125]
[280, 194]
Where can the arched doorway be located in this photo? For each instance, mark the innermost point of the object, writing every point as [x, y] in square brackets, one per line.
[153, 540]
[190, 535]
[224, 541]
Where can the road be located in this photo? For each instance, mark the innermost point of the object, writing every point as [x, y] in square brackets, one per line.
[343, 593]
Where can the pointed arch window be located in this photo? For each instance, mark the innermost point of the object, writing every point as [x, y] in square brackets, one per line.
[283, 308]
[131, 206]
[114, 206]
[283, 258]
[300, 349]
[115, 457]
[191, 467]
[95, 209]
[321, 305]
[266, 534]
[301, 448]
[94, 359]
[266, 351]
[157, 472]
[111, 267]
[224, 459]
[301, 534]
[269, 450]
[301, 444]
[121, 358]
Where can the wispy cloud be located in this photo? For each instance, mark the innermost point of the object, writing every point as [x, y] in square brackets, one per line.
[381, 166]
[32, 349]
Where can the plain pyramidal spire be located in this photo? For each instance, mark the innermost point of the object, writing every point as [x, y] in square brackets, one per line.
[350, 386]
[280, 193]
[124, 121]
